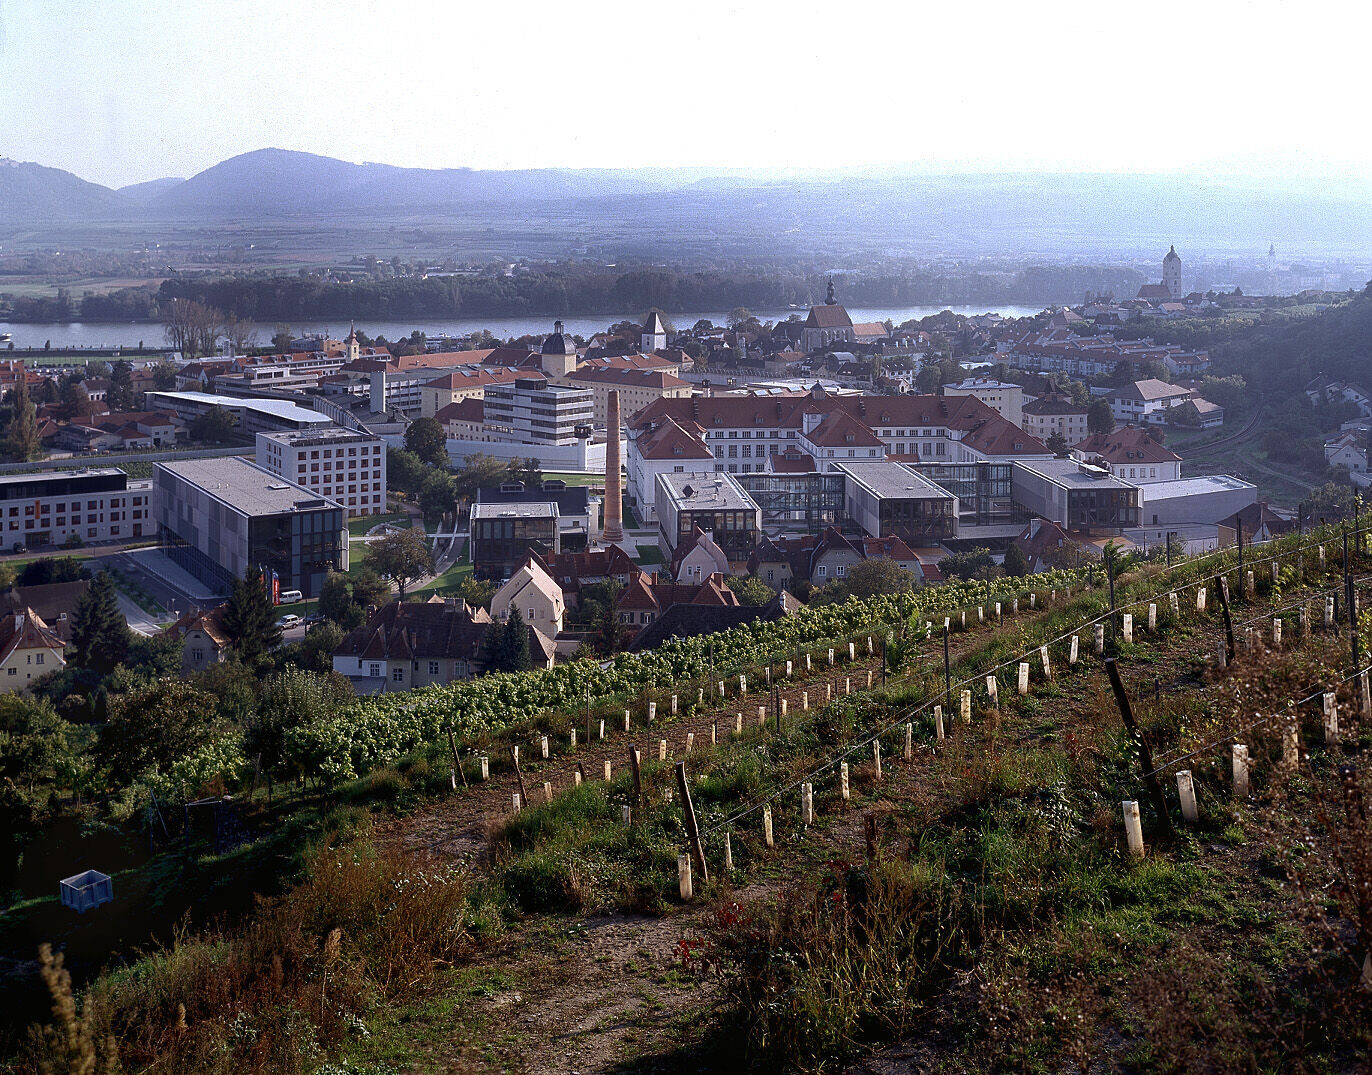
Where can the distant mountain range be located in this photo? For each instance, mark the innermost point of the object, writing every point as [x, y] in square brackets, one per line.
[643, 210]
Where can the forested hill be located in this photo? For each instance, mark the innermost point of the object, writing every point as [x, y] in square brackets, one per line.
[1281, 356]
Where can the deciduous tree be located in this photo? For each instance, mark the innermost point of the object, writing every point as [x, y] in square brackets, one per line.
[401, 557]
[426, 438]
[191, 327]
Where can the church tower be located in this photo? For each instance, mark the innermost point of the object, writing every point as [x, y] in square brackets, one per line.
[354, 348]
[1171, 274]
[558, 355]
[654, 335]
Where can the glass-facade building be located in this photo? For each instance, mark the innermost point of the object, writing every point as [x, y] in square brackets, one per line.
[716, 503]
[984, 491]
[796, 503]
[503, 535]
[216, 517]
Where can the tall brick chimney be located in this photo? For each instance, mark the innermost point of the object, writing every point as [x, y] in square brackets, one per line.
[614, 491]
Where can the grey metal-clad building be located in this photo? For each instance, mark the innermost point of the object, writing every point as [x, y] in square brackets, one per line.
[888, 497]
[1076, 496]
[215, 517]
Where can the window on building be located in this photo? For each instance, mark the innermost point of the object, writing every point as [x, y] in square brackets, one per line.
[398, 674]
[433, 668]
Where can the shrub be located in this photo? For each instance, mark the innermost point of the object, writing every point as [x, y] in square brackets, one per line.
[283, 993]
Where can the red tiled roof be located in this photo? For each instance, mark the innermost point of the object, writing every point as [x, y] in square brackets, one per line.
[828, 316]
[468, 377]
[628, 362]
[26, 630]
[892, 547]
[842, 430]
[1128, 444]
[628, 377]
[671, 441]
[464, 410]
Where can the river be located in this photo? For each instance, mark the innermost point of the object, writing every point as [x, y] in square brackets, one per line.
[107, 334]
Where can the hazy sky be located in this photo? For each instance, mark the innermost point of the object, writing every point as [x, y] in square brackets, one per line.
[120, 91]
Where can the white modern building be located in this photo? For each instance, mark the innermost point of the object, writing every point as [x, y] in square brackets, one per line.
[254, 415]
[532, 411]
[1003, 397]
[60, 506]
[341, 464]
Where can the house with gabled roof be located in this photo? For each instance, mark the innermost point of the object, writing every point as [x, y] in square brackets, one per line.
[408, 644]
[29, 650]
[537, 596]
[574, 570]
[645, 598]
[204, 642]
[698, 557]
[1130, 453]
[693, 620]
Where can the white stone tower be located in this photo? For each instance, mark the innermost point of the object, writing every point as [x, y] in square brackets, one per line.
[654, 335]
[1171, 274]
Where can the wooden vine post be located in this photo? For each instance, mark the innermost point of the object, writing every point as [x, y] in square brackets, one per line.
[1150, 778]
[692, 829]
[638, 775]
[1228, 620]
[457, 762]
[523, 794]
[947, 670]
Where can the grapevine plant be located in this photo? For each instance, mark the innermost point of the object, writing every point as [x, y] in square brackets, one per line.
[376, 730]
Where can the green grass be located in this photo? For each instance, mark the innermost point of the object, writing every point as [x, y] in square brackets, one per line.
[574, 479]
[358, 527]
[650, 554]
[450, 580]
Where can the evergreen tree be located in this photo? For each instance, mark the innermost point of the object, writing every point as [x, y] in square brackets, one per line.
[1100, 418]
[517, 642]
[21, 441]
[99, 634]
[250, 618]
[509, 644]
[121, 396]
[1016, 563]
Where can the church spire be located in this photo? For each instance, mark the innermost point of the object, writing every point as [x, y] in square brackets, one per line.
[829, 299]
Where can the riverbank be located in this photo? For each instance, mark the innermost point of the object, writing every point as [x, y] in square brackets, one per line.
[127, 335]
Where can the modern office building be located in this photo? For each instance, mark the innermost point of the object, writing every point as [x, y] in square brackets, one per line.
[532, 411]
[890, 498]
[1205, 499]
[254, 415]
[986, 507]
[215, 517]
[503, 535]
[578, 509]
[342, 464]
[795, 502]
[715, 503]
[60, 506]
[1076, 496]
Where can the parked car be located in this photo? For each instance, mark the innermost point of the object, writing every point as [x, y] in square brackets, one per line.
[290, 620]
